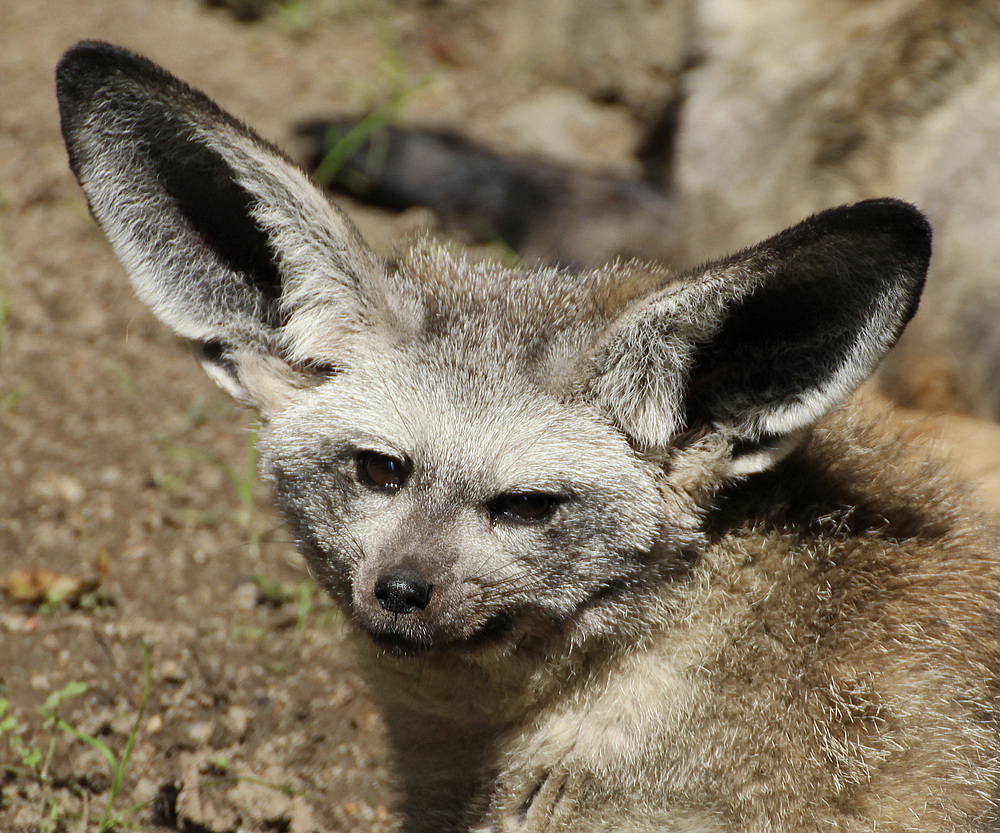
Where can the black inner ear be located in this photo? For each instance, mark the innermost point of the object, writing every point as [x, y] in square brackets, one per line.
[218, 208]
[778, 342]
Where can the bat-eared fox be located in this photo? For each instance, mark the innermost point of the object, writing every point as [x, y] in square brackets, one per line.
[617, 549]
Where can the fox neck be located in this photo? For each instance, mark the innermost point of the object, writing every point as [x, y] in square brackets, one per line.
[449, 718]
[452, 719]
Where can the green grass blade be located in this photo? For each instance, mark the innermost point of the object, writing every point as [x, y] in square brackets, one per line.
[90, 740]
[118, 768]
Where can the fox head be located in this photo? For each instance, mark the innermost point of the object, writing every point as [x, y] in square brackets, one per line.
[470, 455]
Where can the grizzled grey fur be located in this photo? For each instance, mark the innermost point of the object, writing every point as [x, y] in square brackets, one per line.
[615, 553]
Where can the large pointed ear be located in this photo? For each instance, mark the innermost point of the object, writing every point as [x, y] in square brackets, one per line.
[226, 240]
[763, 344]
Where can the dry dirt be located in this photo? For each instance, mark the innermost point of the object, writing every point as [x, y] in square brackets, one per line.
[122, 464]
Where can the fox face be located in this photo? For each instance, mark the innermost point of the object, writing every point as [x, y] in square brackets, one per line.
[451, 492]
[471, 456]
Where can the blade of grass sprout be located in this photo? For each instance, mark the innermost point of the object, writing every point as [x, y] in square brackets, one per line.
[118, 770]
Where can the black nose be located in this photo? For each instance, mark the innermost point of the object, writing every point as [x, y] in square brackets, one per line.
[403, 591]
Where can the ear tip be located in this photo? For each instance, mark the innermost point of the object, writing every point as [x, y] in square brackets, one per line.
[89, 58]
[897, 219]
[80, 74]
[87, 68]
[898, 236]
[905, 216]
[89, 48]
[95, 75]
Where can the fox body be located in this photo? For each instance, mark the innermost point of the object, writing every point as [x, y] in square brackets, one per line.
[614, 552]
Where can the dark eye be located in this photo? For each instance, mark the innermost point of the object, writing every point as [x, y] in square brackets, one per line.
[382, 472]
[524, 507]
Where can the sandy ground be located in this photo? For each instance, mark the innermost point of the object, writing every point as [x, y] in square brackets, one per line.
[123, 467]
